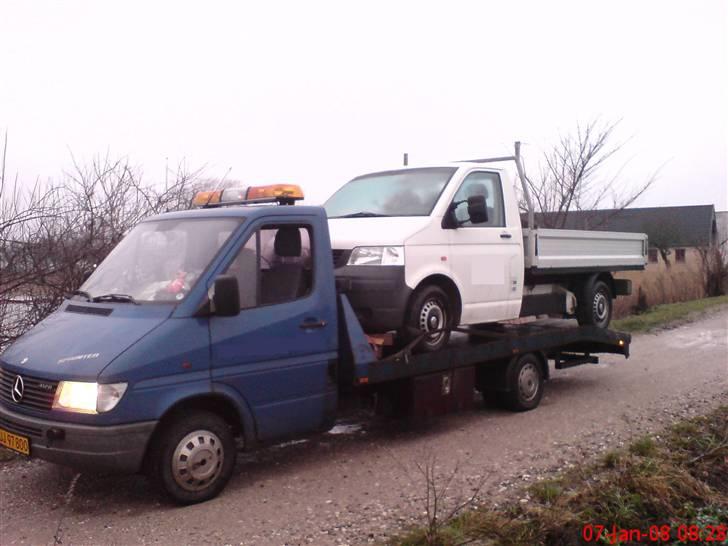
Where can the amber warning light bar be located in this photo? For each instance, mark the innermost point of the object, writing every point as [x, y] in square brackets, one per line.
[283, 194]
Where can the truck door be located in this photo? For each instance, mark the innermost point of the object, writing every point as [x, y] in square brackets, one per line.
[279, 353]
[483, 254]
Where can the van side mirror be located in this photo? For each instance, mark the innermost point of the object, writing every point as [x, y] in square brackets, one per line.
[477, 209]
[226, 299]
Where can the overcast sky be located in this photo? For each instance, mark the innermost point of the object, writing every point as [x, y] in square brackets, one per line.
[316, 93]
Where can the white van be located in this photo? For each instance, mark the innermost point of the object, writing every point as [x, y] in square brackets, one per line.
[426, 249]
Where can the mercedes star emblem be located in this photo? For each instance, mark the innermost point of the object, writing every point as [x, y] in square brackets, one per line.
[18, 389]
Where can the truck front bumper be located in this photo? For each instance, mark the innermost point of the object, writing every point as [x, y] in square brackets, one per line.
[378, 294]
[118, 448]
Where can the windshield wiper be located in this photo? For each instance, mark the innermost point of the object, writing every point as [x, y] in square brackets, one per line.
[82, 293]
[124, 298]
[362, 214]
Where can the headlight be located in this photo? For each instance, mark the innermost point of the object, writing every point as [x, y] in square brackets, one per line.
[377, 255]
[82, 397]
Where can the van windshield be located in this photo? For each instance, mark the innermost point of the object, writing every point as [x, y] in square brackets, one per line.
[410, 192]
[159, 260]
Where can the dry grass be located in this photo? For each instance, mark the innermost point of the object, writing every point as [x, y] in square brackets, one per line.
[682, 478]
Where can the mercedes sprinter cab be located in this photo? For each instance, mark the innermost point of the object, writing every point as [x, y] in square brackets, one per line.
[197, 319]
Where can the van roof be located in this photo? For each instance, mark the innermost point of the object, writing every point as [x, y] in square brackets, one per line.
[240, 211]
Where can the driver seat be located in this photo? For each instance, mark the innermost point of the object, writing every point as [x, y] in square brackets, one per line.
[286, 279]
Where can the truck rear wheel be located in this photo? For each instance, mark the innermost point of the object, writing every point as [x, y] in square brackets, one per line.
[193, 457]
[429, 311]
[594, 306]
[525, 381]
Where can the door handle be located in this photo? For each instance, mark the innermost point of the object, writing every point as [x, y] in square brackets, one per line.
[505, 235]
[312, 323]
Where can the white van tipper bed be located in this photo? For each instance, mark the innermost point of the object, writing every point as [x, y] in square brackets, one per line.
[568, 250]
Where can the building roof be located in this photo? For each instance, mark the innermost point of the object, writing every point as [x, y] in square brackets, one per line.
[687, 226]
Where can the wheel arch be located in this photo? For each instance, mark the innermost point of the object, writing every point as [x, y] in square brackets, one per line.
[539, 355]
[448, 285]
[544, 361]
[582, 282]
[608, 279]
[237, 417]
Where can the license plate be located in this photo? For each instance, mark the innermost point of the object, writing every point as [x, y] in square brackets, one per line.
[21, 444]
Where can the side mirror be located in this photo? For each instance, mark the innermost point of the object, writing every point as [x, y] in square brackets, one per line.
[477, 209]
[226, 299]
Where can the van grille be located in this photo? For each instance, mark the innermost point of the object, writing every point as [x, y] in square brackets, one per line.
[38, 393]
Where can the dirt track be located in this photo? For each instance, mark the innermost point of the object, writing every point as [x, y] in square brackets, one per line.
[361, 484]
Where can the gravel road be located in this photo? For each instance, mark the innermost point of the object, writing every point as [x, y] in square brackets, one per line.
[360, 484]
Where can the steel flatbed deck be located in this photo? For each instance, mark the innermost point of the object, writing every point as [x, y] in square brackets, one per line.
[559, 340]
[566, 344]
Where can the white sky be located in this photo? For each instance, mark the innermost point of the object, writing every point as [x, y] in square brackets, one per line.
[316, 93]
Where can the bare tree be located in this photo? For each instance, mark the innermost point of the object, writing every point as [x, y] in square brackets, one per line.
[572, 176]
[661, 235]
[714, 268]
[52, 235]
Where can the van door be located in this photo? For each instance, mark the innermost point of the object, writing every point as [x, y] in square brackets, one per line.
[482, 254]
[279, 353]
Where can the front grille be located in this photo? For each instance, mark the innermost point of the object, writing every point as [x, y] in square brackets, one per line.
[38, 393]
[341, 256]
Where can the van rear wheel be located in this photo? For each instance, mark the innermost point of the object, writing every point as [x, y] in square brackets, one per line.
[594, 305]
[193, 457]
[430, 313]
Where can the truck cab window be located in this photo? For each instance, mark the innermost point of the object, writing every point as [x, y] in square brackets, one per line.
[487, 184]
[274, 266]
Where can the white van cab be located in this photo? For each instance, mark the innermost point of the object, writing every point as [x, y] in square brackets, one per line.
[426, 249]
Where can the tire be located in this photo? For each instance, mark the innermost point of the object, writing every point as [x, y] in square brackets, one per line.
[526, 383]
[594, 307]
[203, 438]
[430, 309]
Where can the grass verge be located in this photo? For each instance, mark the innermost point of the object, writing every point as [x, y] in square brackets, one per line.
[661, 315]
[679, 478]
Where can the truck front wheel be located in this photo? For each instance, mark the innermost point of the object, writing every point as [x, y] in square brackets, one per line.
[193, 457]
[594, 306]
[430, 313]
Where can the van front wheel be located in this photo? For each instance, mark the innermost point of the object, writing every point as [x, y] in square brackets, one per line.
[193, 457]
[430, 316]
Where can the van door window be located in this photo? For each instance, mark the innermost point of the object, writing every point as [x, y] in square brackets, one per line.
[274, 266]
[487, 184]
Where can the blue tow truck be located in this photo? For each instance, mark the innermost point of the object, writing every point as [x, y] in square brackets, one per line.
[222, 326]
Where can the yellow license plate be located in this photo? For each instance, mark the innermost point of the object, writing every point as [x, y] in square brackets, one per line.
[21, 444]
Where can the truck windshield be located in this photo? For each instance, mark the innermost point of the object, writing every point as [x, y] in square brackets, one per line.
[410, 192]
[159, 260]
